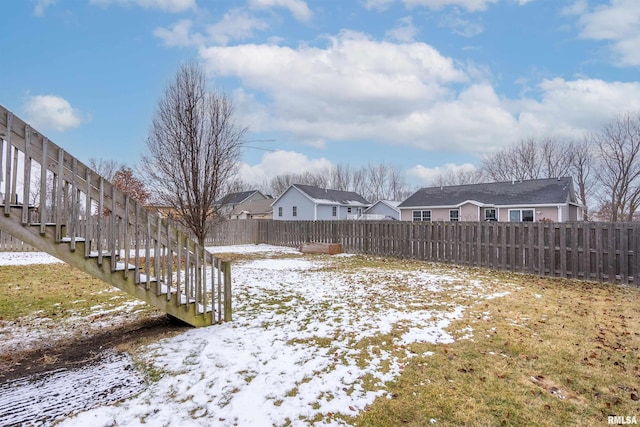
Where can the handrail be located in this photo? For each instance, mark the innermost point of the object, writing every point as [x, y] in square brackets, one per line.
[86, 208]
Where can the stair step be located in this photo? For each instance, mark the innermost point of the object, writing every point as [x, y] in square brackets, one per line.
[121, 266]
[68, 239]
[94, 254]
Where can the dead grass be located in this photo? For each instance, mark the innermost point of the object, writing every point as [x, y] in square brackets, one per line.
[553, 352]
[54, 291]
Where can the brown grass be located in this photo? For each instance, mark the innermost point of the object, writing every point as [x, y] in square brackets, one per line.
[553, 352]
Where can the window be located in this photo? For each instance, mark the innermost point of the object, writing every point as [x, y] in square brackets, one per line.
[454, 215]
[422, 216]
[334, 211]
[295, 211]
[490, 215]
[280, 211]
[348, 210]
[518, 215]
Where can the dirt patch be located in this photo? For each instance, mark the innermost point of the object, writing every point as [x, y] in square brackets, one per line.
[77, 351]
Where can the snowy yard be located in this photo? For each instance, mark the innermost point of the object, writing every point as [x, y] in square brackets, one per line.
[314, 341]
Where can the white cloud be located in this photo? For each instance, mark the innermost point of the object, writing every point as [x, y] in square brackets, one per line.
[576, 8]
[173, 6]
[178, 35]
[428, 176]
[50, 112]
[570, 107]
[235, 25]
[41, 5]
[405, 31]
[356, 89]
[617, 22]
[298, 8]
[282, 162]
[379, 5]
[470, 5]
[460, 26]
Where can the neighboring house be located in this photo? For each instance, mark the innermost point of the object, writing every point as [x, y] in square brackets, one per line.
[253, 209]
[164, 211]
[533, 200]
[306, 202]
[382, 209]
[225, 205]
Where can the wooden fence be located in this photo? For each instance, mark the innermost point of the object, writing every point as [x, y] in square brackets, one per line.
[577, 250]
[8, 243]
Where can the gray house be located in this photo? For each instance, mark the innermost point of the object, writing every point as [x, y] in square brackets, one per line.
[225, 205]
[306, 202]
[382, 209]
[551, 199]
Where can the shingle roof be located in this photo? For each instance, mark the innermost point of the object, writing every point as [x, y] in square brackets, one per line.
[235, 198]
[332, 196]
[532, 192]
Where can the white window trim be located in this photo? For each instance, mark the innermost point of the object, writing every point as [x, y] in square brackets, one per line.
[522, 216]
[422, 211]
[454, 210]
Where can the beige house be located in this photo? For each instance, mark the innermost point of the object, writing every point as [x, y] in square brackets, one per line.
[551, 199]
[253, 209]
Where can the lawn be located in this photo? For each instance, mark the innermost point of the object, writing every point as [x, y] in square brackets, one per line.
[368, 341]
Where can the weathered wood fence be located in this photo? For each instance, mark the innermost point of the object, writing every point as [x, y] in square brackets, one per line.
[578, 250]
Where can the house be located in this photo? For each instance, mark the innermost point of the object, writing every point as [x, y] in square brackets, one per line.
[551, 199]
[382, 209]
[225, 205]
[253, 209]
[306, 202]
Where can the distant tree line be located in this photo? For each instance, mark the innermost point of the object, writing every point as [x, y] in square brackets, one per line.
[604, 164]
[375, 181]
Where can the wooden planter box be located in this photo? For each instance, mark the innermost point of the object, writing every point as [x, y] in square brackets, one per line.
[321, 248]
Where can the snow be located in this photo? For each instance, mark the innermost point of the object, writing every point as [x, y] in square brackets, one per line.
[26, 258]
[293, 354]
[62, 392]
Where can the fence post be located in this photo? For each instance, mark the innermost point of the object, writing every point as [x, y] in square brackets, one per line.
[226, 269]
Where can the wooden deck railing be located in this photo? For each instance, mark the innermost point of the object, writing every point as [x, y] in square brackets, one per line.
[57, 192]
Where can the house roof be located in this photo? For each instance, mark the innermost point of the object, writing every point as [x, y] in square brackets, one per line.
[393, 204]
[254, 207]
[327, 196]
[530, 192]
[236, 198]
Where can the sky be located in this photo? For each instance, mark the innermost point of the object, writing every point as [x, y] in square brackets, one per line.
[425, 85]
[284, 360]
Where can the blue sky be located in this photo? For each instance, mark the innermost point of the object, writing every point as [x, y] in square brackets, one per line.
[428, 85]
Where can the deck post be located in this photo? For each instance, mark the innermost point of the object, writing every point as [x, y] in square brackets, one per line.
[226, 269]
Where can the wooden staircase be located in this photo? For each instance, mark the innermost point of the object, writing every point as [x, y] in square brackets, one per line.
[55, 203]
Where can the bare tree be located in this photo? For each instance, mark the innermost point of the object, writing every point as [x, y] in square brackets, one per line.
[280, 183]
[106, 168]
[530, 158]
[618, 145]
[582, 171]
[557, 157]
[341, 177]
[193, 148]
[459, 177]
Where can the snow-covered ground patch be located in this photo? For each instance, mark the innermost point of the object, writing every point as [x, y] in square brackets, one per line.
[314, 339]
[26, 258]
[56, 394]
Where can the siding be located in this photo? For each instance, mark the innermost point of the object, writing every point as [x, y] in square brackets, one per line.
[291, 198]
[382, 209]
